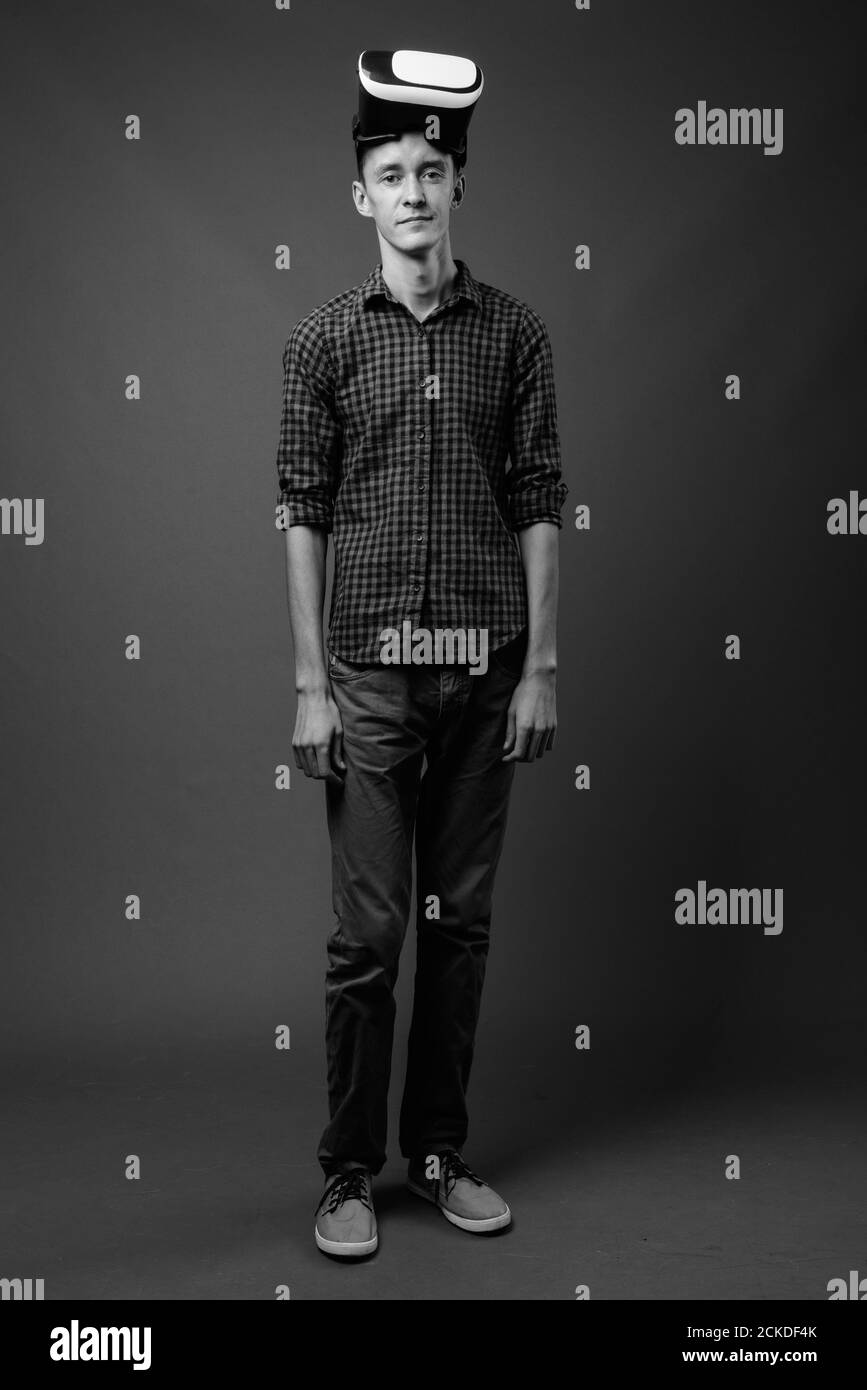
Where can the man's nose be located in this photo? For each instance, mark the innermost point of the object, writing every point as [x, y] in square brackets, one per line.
[413, 193]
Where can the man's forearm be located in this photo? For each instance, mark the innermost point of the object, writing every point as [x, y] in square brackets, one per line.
[306, 551]
[539, 553]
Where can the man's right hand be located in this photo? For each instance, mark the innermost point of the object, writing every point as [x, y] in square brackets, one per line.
[318, 738]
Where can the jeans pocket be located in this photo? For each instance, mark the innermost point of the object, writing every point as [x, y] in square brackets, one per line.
[510, 657]
[342, 670]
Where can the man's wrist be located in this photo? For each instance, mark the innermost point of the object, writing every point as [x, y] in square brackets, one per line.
[539, 658]
[312, 682]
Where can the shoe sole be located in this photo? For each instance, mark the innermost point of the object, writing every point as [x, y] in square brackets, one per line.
[487, 1223]
[350, 1250]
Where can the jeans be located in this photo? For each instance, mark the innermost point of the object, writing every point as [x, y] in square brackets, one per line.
[395, 719]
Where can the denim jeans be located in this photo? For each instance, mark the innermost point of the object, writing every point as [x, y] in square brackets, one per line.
[423, 748]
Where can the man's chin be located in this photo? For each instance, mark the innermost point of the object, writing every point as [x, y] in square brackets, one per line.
[417, 242]
[413, 232]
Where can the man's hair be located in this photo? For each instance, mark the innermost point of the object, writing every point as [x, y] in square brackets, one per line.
[362, 150]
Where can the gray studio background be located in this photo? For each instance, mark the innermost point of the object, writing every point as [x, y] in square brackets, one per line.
[156, 777]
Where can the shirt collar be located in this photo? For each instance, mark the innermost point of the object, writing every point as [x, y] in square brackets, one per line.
[465, 286]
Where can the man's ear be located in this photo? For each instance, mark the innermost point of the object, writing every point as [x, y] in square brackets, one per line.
[359, 197]
[458, 191]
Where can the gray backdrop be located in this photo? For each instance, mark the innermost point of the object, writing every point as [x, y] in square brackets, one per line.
[708, 517]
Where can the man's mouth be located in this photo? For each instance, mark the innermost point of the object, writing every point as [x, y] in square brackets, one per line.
[414, 219]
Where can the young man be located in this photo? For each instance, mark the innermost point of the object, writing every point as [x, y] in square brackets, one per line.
[403, 400]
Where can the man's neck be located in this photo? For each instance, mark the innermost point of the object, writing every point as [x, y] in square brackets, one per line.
[419, 283]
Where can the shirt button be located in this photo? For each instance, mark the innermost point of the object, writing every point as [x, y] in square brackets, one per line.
[416, 588]
[420, 537]
[421, 434]
[421, 487]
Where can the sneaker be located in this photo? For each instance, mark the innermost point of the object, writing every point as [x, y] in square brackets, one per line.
[461, 1196]
[345, 1219]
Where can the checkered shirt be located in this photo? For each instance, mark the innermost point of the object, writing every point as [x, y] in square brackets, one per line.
[424, 448]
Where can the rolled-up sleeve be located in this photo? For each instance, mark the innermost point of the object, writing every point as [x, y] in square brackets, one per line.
[534, 486]
[309, 452]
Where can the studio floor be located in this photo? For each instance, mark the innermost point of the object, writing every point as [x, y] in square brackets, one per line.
[630, 1200]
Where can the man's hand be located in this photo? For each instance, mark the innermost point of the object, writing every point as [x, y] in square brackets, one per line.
[318, 738]
[532, 718]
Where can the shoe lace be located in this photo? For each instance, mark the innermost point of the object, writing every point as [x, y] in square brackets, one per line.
[347, 1187]
[452, 1167]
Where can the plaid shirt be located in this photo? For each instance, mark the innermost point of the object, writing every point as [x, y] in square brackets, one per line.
[395, 435]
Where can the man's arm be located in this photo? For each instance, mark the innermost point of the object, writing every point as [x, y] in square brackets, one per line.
[308, 461]
[532, 715]
[536, 493]
[317, 742]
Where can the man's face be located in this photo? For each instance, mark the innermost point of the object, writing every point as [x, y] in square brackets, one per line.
[408, 184]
